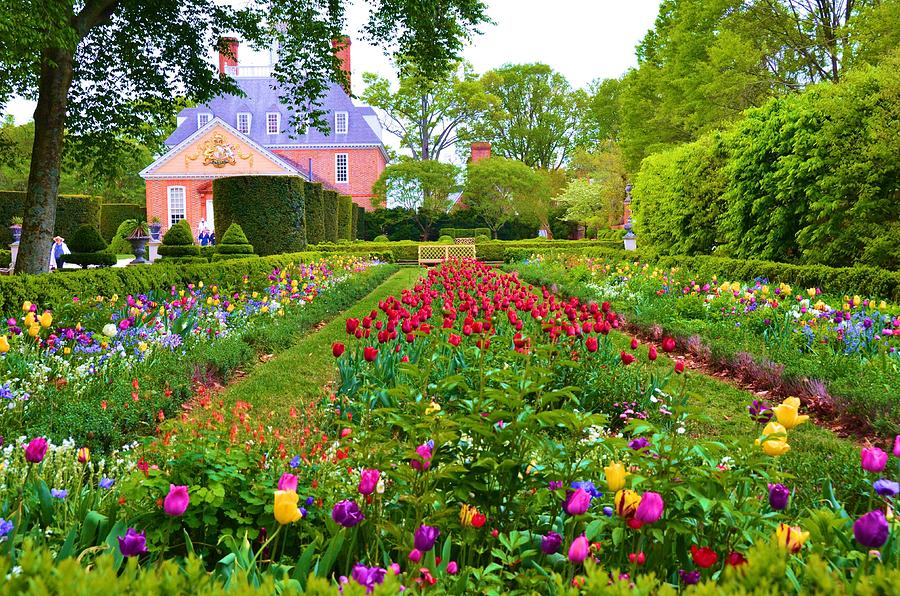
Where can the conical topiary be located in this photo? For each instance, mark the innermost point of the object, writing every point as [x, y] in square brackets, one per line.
[234, 235]
[234, 245]
[179, 241]
[86, 239]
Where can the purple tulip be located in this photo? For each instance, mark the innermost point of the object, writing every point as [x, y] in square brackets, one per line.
[424, 537]
[886, 488]
[177, 501]
[760, 411]
[689, 577]
[873, 459]
[368, 480]
[579, 550]
[577, 502]
[555, 484]
[778, 496]
[638, 443]
[36, 450]
[608, 511]
[132, 543]
[347, 513]
[650, 508]
[871, 530]
[368, 576]
[551, 543]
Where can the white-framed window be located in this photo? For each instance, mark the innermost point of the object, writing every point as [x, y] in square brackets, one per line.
[243, 122]
[203, 119]
[177, 204]
[273, 123]
[341, 173]
[341, 123]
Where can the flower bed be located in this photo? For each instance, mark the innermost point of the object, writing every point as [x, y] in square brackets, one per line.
[484, 436]
[841, 353]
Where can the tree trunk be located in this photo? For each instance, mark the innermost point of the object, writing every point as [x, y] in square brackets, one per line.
[39, 218]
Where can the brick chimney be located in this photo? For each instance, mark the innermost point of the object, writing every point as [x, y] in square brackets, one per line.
[228, 53]
[342, 51]
[480, 150]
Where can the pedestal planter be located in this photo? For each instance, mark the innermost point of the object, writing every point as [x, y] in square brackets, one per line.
[155, 228]
[138, 240]
[16, 231]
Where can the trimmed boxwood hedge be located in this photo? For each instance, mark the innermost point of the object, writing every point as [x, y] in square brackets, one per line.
[354, 221]
[493, 250]
[270, 209]
[315, 213]
[465, 232]
[113, 214]
[53, 290]
[5, 258]
[178, 242]
[71, 212]
[330, 211]
[345, 218]
[360, 222]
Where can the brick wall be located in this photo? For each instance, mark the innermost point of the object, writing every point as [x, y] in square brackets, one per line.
[196, 192]
[364, 168]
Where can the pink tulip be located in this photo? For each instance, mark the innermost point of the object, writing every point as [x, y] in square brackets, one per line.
[368, 480]
[578, 502]
[287, 482]
[177, 501]
[579, 550]
[452, 568]
[897, 446]
[36, 450]
[415, 555]
[873, 459]
[650, 508]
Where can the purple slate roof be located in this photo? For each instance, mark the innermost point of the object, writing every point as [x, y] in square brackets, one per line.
[261, 98]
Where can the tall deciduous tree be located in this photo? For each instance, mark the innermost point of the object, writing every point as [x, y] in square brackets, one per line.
[534, 119]
[426, 114]
[422, 187]
[100, 68]
[596, 196]
[500, 189]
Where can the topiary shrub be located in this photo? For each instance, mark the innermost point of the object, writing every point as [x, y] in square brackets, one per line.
[345, 218]
[178, 242]
[88, 248]
[360, 222]
[381, 238]
[270, 209]
[234, 242]
[480, 239]
[330, 206]
[315, 213]
[445, 240]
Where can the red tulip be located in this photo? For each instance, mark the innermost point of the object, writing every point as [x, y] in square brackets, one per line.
[668, 344]
[679, 366]
[704, 557]
[639, 558]
[735, 559]
[651, 353]
[634, 343]
[352, 325]
[454, 339]
[591, 344]
[626, 358]
[370, 353]
[337, 349]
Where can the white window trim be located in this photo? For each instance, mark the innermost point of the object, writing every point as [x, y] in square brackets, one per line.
[346, 123]
[337, 179]
[277, 123]
[169, 190]
[209, 117]
[237, 122]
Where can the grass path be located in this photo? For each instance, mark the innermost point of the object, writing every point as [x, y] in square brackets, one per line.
[300, 373]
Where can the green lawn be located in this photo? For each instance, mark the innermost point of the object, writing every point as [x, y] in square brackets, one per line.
[304, 371]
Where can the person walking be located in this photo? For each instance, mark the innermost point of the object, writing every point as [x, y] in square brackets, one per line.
[58, 252]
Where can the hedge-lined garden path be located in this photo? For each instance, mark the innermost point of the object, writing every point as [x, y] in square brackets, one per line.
[301, 372]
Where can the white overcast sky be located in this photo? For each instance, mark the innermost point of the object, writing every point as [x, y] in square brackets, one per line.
[582, 39]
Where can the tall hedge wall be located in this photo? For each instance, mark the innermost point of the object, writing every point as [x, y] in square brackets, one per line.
[354, 221]
[345, 217]
[270, 210]
[71, 212]
[113, 214]
[330, 203]
[315, 213]
[360, 222]
[811, 177]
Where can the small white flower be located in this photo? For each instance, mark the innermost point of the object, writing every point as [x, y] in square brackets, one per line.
[109, 330]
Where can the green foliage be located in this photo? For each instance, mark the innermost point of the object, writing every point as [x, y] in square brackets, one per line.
[178, 235]
[445, 240]
[345, 218]
[480, 239]
[421, 187]
[270, 209]
[381, 238]
[596, 195]
[330, 211]
[315, 213]
[113, 214]
[5, 257]
[86, 239]
[354, 221]
[234, 235]
[360, 222]
[678, 197]
[234, 245]
[499, 189]
[71, 212]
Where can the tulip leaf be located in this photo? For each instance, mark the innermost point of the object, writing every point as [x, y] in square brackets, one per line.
[323, 567]
[593, 529]
[618, 536]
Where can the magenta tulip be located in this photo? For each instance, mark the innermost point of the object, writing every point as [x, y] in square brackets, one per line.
[177, 501]
[36, 450]
[873, 459]
[368, 480]
[650, 508]
[578, 502]
[897, 446]
[287, 482]
[579, 550]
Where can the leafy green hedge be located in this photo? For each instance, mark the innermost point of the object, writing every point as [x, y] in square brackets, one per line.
[270, 209]
[345, 218]
[71, 212]
[330, 211]
[113, 214]
[59, 289]
[315, 213]
[493, 250]
[5, 257]
[360, 222]
[354, 221]
[465, 232]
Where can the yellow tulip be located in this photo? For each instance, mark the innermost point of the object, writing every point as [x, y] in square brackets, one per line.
[26, 306]
[285, 509]
[774, 447]
[627, 502]
[4, 344]
[29, 320]
[466, 514]
[791, 538]
[615, 476]
[857, 301]
[433, 408]
[46, 320]
[788, 415]
[34, 330]
[811, 292]
[773, 428]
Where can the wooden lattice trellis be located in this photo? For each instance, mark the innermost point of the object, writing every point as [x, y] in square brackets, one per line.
[464, 241]
[431, 254]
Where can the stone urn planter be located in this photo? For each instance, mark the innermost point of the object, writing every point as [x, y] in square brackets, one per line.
[16, 230]
[138, 239]
[155, 228]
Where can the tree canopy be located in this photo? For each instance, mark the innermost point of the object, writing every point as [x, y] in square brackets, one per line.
[422, 187]
[499, 189]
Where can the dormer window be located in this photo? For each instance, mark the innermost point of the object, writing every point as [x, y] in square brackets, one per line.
[203, 119]
[341, 123]
[243, 122]
[273, 123]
